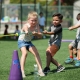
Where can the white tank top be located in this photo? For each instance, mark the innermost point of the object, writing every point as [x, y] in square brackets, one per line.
[26, 37]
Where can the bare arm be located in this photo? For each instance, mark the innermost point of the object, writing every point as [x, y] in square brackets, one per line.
[25, 29]
[57, 30]
[74, 27]
[49, 33]
[37, 32]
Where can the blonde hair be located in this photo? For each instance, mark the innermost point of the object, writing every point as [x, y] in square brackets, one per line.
[32, 14]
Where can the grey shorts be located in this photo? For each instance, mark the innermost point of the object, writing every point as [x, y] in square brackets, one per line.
[75, 43]
[25, 44]
[78, 44]
[56, 42]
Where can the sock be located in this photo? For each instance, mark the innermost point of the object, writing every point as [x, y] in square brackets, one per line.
[71, 56]
[78, 59]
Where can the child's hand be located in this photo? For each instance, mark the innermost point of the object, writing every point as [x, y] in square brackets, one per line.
[34, 33]
[70, 28]
[26, 32]
[37, 34]
[44, 32]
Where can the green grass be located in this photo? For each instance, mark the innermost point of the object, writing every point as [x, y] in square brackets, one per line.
[6, 52]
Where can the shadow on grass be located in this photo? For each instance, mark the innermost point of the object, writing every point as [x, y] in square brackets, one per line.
[66, 68]
[7, 39]
[31, 73]
[54, 71]
[51, 72]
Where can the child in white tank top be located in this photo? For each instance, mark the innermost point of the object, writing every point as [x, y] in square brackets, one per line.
[25, 44]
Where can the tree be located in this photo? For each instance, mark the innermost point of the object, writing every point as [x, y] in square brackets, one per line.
[16, 1]
[23, 1]
[43, 2]
[68, 2]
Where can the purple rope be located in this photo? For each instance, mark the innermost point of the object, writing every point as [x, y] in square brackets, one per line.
[66, 40]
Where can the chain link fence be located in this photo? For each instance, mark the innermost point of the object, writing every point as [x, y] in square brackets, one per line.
[14, 11]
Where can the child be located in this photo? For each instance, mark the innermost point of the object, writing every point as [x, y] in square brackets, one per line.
[16, 31]
[77, 64]
[72, 50]
[25, 44]
[6, 30]
[42, 22]
[55, 30]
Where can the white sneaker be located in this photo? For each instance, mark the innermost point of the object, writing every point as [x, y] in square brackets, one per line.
[23, 75]
[40, 73]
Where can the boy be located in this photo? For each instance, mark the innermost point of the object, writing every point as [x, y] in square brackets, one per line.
[77, 64]
[25, 44]
[16, 31]
[6, 30]
[55, 32]
[72, 50]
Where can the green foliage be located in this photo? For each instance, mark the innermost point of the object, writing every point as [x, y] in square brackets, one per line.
[23, 1]
[52, 2]
[69, 2]
[15, 1]
[32, 1]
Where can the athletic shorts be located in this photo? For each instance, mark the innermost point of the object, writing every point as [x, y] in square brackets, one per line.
[24, 44]
[56, 42]
[76, 43]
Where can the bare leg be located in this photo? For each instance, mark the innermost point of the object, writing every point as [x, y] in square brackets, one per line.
[48, 59]
[75, 51]
[53, 49]
[78, 54]
[34, 51]
[55, 62]
[50, 52]
[23, 59]
[70, 51]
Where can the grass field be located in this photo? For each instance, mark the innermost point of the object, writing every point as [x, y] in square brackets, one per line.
[70, 72]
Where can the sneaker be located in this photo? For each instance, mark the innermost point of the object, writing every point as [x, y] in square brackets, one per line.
[75, 58]
[40, 73]
[60, 68]
[69, 60]
[77, 63]
[23, 75]
[46, 70]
